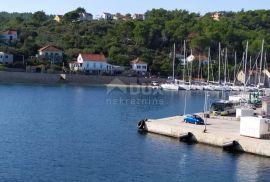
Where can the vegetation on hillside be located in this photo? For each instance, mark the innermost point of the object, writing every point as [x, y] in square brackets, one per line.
[152, 39]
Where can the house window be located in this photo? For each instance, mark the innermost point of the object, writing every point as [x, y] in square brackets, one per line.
[138, 67]
[94, 65]
[144, 67]
[100, 65]
[1, 56]
[6, 56]
[87, 65]
[56, 54]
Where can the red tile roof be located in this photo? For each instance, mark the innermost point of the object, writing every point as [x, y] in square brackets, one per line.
[9, 32]
[137, 61]
[49, 48]
[94, 57]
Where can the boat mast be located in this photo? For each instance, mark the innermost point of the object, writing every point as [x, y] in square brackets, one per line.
[213, 79]
[219, 49]
[199, 66]
[225, 67]
[256, 73]
[228, 71]
[264, 77]
[184, 61]
[173, 59]
[190, 73]
[235, 59]
[245, 84]
[260, 73]
[202, 72]
[250, 69]
[208, 65]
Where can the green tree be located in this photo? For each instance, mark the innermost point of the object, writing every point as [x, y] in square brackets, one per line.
[39, 17]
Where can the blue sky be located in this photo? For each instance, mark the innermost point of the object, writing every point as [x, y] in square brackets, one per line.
[96, 7]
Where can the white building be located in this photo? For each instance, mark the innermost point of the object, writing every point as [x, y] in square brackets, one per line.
[9, 35]
[106, 16]
[138, 17]
[139, 66]
[85, 17]
[256, 127]
[118, 16]
[6, 58]
[92, 63]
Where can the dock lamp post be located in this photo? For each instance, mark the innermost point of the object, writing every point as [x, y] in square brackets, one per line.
[205, 111]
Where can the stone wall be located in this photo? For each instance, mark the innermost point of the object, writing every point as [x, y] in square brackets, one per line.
[44, 78]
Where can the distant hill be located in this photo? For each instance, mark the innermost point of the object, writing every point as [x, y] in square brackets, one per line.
[151, 40]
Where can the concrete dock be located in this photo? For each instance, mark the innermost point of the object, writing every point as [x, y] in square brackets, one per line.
[219, 131]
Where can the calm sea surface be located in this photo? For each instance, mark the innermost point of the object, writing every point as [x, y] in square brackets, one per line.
[73, 133]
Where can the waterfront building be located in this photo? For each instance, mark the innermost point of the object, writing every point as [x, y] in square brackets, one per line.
[139, 66]
[9, 35]
[6, 58]
[50, 53]
[91, 63]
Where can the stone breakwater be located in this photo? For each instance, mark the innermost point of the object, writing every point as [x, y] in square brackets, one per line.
[44, 78]
[220, 131]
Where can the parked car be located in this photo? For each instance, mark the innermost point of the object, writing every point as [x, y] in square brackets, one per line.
[194, 119]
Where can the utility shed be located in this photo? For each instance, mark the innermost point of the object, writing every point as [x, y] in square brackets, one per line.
[256, 127]
[266, 106]
[242, 112]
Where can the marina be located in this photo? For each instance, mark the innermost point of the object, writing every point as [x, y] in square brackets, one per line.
[67, 133]
[135, 91]
[219, 131]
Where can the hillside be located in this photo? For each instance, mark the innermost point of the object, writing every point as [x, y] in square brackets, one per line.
[151, 39]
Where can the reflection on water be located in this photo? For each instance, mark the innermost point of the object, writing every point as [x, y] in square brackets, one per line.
[213, 164]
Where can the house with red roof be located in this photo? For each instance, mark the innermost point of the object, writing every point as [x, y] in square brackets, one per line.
[50, 53]
[139, 66]
[9, 35]
[92, 63]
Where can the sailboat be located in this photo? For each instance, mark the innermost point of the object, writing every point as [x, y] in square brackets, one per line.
[171, 85]
[243, 96]
[219, 87]
[182, 85]
[260, 84]
[208, 86]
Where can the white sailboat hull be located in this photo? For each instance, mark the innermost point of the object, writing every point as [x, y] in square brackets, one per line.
[184, 87]
[169, 86]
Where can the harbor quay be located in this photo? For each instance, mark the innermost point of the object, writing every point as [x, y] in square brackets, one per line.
[220, 132]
